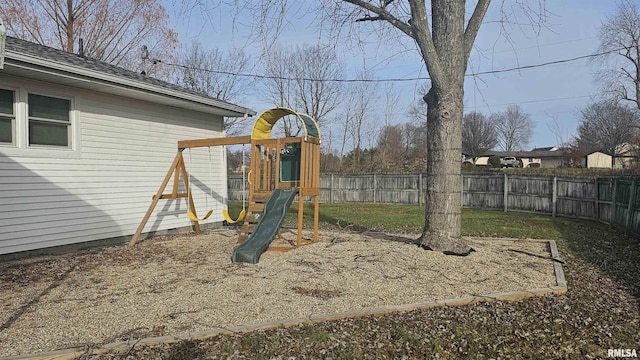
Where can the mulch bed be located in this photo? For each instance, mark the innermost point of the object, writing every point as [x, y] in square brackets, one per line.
[597, 313]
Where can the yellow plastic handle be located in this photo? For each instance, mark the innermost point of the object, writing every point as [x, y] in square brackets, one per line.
[249, 177]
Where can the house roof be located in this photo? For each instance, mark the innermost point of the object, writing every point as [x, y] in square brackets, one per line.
[548, 148]
[27, 59]
[540, 154]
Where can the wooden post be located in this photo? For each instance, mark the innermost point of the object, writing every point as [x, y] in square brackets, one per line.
[374, 188]
[304, 170]
[506, 191]
[630, 205]
[597, 201]
[192, 205]
[316, 177]
[461, 190]
[420, 199]
[554, 197]
[613, 202]
[331, 190]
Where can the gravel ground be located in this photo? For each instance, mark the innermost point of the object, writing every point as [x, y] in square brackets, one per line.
[171, 285]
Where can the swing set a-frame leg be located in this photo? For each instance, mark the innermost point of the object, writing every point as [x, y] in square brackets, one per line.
[177, 168]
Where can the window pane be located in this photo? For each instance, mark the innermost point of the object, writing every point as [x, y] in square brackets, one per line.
[6, 133]
[6, 101]
[48, 107]
[41, 133]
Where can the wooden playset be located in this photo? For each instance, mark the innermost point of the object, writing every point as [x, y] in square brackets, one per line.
[284, 166]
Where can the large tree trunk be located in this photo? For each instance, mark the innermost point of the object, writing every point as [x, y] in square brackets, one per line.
[444, 156]
[446, 58]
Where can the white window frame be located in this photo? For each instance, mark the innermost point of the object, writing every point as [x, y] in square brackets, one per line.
[13, 119]
[20, 146]
[68, 124]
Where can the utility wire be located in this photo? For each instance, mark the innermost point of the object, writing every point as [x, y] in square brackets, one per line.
[270, 77]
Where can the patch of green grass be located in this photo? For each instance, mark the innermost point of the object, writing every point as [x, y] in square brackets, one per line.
[410, 219]
[477, 222]
[358, 217]
[318, 335]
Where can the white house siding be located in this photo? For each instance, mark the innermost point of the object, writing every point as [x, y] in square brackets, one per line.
[126, 148]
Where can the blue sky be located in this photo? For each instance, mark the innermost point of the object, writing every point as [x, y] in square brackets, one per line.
[550, 94]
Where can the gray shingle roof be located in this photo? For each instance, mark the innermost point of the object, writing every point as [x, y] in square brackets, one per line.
[62, 57]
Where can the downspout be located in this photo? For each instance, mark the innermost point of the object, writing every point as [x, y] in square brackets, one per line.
[3, 39]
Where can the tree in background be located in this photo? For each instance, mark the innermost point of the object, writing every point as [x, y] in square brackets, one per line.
[294, 79]
[478, 135]
[356, 116]
[416, 145]
[113, 31]
[313, 96]
[210, 71]
[620, 48]
[606, 126]
[277, 89]
[391, 150]
[513, 127]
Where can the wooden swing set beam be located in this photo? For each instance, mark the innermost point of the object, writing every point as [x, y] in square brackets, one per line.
[234, 140]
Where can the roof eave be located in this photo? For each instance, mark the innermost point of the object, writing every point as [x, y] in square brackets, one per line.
[107, 80]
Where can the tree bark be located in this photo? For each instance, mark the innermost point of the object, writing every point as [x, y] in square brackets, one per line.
[442, 229]
[70, 26]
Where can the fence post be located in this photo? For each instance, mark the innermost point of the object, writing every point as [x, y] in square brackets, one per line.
[420, 199]
[597, 201]
[461, 190]
[630, 205]
[506, 191]
[374, 188]
[613, 202]
[331, 190]
[554, 196]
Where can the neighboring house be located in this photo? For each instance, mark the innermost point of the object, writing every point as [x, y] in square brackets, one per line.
[552, 157]
[84, 145]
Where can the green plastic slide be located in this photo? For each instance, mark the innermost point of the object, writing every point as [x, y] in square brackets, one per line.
[272, 217]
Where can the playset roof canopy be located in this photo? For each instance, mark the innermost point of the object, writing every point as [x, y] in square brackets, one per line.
[265, 122]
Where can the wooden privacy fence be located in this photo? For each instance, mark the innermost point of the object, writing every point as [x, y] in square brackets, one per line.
[613, 200]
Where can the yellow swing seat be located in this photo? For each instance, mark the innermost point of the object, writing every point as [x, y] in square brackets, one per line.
[225, 214]
[193, 216]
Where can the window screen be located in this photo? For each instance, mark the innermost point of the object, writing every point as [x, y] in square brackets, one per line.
[49, 120]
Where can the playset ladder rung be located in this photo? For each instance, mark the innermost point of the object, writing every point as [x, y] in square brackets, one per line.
[252, 218]
[256, 207]
[247, 228]
[171, 196]
[261, 197]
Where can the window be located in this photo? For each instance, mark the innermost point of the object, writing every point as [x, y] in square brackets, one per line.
[7, 116]
[49, 121]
